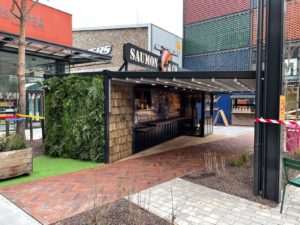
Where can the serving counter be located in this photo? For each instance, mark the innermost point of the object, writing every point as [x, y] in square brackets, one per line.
[155, 133]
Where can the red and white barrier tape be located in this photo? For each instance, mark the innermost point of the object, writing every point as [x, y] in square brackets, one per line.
[284, 122]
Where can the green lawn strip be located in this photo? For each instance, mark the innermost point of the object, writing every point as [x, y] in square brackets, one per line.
[44, 166]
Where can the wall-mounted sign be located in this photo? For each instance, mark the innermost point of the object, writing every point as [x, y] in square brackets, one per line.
[138, 56]
[43, 23]
[104, 50]
[173, 52]
[141, 57]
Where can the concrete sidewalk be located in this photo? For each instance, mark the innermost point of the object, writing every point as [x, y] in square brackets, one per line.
[10, 214]
[194, 204]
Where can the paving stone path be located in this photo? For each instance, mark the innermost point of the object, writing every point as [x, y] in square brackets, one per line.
[194, 204]
[56, 198]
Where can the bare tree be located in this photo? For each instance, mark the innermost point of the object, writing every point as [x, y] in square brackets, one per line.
[21, 9]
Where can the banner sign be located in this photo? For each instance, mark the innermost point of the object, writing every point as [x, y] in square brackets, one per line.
[44, 23]
[173, 52]
[135, 55]
[282, 108]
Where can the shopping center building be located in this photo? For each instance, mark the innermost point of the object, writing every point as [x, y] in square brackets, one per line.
[222, 36]
[110, 41]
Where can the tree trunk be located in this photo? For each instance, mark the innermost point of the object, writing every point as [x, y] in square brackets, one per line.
[21, 71]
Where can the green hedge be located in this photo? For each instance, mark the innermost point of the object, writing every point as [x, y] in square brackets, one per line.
[75, 117]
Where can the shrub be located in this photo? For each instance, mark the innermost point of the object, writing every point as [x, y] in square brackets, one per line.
[3, 145]
[240, 160]
[12, 142]
[75, 117]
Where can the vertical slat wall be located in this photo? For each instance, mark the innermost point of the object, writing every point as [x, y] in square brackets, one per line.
[219, 34]
[234, 60]
[200, 10]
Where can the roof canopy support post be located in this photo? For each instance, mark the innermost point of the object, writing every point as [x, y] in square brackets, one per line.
[271, 142]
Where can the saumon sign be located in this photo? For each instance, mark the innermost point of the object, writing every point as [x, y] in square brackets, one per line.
[141, 57]
[138, 56]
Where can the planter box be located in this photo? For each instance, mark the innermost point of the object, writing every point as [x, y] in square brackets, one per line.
[15, 163]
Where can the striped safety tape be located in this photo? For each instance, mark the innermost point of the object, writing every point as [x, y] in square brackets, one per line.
[284, 122]
[15, 119]
[33, 117]
[8, 117]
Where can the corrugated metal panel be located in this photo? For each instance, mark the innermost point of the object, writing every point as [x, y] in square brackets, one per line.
[236, 60]
[222, 102]
[292, 24]
[223, 33]
[164, 38]
[199, 10]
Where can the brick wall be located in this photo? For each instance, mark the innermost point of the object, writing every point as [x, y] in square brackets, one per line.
[120, 122]
[114, 37]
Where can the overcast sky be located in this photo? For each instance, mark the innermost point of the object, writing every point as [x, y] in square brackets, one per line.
[92, 13]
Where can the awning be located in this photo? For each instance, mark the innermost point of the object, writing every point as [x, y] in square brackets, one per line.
[243, 81]
[9, 42]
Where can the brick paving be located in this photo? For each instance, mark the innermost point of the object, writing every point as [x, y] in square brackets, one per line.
[194, 204]
[56, 198]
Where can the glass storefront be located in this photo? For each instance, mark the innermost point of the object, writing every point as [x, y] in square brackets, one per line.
[36, 67]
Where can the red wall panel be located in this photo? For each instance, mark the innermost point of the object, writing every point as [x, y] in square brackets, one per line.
[44, 23]
[199, 10]
[292, 24]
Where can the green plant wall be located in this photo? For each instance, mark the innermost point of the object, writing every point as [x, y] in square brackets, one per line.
[74, 112]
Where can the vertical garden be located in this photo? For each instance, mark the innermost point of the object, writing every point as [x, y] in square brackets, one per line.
[74, 112]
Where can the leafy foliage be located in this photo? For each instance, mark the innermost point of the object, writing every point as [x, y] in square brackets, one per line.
[75, 117]
[241, 160]
[12, 142]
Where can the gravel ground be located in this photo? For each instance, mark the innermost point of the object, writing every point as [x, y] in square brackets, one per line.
[235, 180]
[120, 212]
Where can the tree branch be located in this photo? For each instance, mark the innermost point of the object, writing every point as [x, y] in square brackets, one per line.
[31, 7]
[12, 8]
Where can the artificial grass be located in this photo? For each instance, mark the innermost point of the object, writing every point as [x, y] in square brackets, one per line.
[45, 166]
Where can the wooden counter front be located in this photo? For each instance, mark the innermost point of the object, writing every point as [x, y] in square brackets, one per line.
[157, 133]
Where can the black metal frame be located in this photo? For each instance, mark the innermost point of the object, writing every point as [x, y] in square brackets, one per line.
[182, 74]
[267, 180]
[107, 85]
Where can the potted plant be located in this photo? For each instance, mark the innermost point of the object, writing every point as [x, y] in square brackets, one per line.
[15, 157]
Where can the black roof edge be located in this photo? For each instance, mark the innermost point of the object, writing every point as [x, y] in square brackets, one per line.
[103, 57]
[182, 74]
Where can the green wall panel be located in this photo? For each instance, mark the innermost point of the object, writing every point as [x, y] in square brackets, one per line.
[223, 33]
